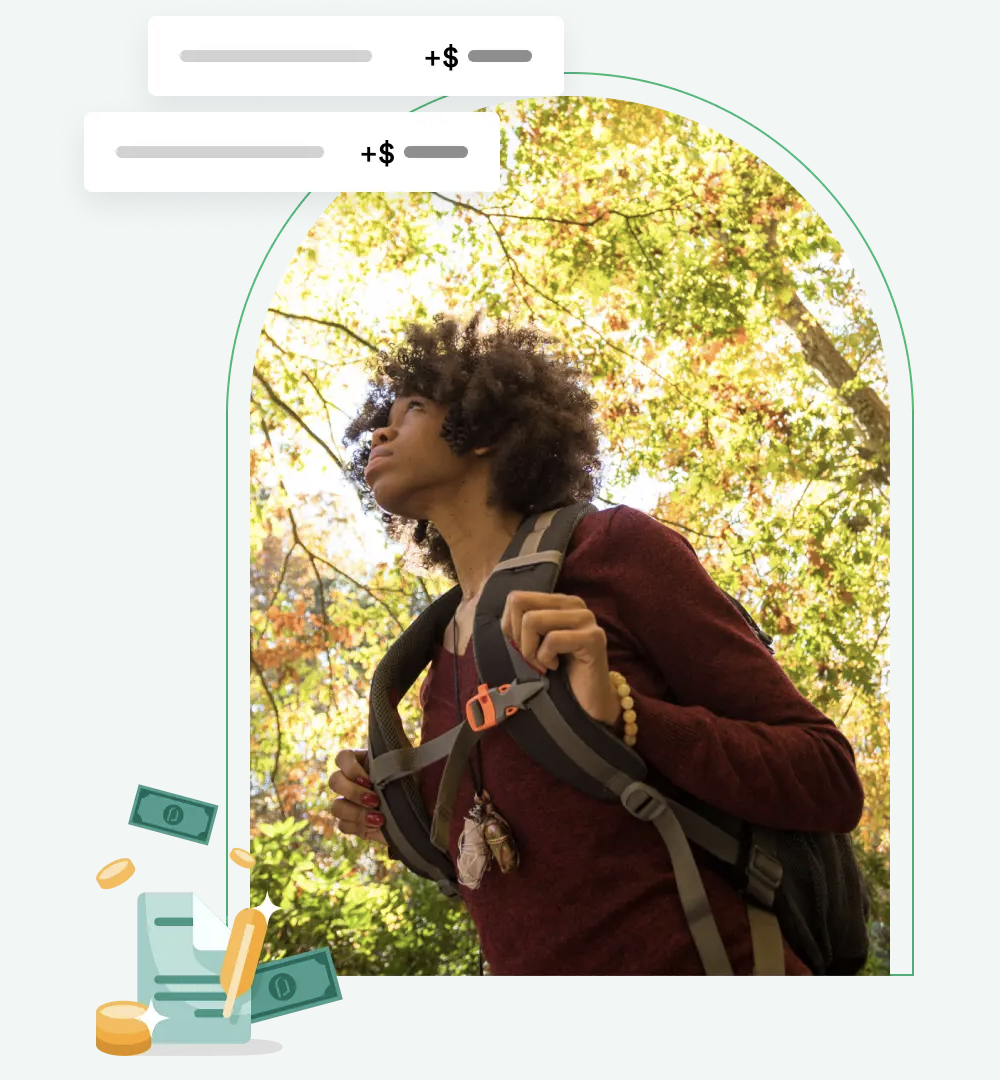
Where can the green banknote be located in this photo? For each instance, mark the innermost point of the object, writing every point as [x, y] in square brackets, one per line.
[173, 815]
[294, 983]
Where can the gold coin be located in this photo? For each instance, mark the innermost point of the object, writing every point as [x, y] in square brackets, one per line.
[115, 873]
[119, 1029]
[242, 858]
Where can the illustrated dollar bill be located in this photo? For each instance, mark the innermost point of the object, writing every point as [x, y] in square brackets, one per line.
[181, 947]
[294, 983]
[173, 815]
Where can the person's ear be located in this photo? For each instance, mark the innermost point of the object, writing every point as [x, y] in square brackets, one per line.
[480, 450]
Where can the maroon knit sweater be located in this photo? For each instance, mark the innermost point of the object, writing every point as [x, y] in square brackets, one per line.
[595, 893]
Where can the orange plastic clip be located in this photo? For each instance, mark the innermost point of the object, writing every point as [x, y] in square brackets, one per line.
[487, 707]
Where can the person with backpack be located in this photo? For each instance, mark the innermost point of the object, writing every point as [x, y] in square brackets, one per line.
[483, 457]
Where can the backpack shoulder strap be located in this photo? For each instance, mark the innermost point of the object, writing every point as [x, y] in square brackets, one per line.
[765, 639]
[532, 563]
[553, 729]
[392, 760]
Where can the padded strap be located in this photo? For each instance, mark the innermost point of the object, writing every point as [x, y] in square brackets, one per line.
[414, 859]
[768, 947]
[410, 759]
[398, 839]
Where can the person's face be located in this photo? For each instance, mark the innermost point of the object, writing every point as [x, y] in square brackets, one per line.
[411, 465]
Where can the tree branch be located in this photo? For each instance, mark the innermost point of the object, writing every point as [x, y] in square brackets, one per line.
[514, 272]
[280, 581]
[359, 585]
[296, 355]
[327, 322]
[561, 221]
[857, 690]
[327, 405]
[295, 416]
[515, 269]
[299, 542]
[277, 723]
[667, 521]
[649, 261]
[322, 605]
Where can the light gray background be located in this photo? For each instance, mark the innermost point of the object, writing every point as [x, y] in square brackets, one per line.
[121, 311]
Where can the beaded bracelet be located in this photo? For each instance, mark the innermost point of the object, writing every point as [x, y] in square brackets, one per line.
[624, 691]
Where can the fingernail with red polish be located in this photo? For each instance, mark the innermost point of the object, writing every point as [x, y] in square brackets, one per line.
[364, 781]
[375, 819]
[370, 800]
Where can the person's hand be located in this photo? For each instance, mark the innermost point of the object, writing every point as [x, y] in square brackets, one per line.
[545, 626]
[356, 810]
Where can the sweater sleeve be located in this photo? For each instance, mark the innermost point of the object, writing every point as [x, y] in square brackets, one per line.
[736, 734]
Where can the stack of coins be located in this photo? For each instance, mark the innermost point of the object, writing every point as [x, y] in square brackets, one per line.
[119, 1029]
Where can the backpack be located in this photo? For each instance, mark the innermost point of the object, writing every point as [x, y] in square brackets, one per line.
[807, 887]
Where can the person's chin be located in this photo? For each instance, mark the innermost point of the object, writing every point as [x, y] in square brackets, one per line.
[388, 497]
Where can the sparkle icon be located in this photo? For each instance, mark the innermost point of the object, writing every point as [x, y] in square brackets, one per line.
[267, 908]
[151, 1018]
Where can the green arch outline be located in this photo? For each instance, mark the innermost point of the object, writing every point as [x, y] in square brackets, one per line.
[906, 350]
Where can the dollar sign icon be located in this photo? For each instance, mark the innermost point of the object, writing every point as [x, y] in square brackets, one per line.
[173, 814]
[451, 58]
[386, 155]
[282, 987]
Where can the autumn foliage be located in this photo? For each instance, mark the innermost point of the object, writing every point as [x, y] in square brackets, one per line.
[738, 372]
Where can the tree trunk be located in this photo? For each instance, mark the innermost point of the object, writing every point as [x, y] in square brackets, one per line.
[870, 411]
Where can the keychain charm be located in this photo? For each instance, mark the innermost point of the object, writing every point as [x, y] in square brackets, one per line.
[473, 855]
[486, 836]
[498, 835]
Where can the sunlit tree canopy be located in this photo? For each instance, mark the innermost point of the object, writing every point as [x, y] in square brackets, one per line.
[742, 395]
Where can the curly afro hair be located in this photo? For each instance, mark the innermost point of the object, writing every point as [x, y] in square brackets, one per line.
[501, 389]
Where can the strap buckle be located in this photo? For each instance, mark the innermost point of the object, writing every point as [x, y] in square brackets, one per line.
[503, 700]
[642, 801]
[447, 887]
[764, 874]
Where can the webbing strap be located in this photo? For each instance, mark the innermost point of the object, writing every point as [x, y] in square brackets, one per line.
[534, 538]
[768, 947]
[657, 809]
[529, 560]
[714, 840]
[691, 890]
[764, 869]
[464, 740]
[410, 759]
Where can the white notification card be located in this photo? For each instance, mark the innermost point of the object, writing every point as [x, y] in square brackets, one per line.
[345, 55]
[288, 151]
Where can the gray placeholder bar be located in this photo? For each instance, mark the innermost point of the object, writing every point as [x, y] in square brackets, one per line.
[276, 56]
[435, 151]
[499, 56]
[223, 152]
